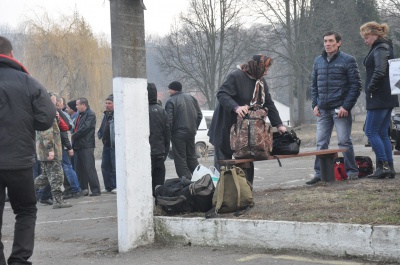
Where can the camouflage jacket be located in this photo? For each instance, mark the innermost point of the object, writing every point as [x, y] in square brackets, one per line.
[47, 141]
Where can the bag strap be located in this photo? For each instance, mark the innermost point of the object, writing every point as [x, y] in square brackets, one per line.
[220, 194]
[236, 181]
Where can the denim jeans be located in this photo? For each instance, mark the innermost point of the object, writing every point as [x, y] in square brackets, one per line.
[70, 173]
[19, 184]
[325, 124]
[108, 168]
[376, 129]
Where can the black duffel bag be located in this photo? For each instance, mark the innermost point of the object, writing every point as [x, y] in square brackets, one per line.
[286, 143]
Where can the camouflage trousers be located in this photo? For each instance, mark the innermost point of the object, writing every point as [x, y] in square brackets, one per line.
[52, 173]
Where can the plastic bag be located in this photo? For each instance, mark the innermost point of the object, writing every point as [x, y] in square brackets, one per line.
[201, 170]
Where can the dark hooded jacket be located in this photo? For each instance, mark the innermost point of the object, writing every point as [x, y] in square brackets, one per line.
[237, 90]
[25, 106]
[336, 83]
[377, 85]
[160, 132]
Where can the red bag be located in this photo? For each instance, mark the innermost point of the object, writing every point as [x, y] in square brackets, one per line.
[365, 166]
[339, 170]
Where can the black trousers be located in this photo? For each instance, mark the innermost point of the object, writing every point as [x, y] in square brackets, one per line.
[86, 170]
[185, 158]
[20, 189]
[220, 155]
[157, 171]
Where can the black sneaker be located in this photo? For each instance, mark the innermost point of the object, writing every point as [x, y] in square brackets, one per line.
[80, 194]
[315, 180]
[68, 195]
[46, 202]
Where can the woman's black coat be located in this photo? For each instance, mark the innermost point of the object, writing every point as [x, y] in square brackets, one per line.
[237, 90]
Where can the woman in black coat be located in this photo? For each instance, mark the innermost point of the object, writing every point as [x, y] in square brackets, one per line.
[379, 100]
[234, 97]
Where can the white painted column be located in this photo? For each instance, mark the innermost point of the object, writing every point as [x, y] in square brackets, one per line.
[134, 196]
[133, 162]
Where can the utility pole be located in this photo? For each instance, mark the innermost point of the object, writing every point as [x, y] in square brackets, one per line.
[133, 164]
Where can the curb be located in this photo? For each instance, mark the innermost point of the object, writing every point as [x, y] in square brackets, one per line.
[364, 241]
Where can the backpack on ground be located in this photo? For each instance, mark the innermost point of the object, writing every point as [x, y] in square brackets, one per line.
[365, 166]
[232, 194]
[251, 136]
[174, 196]
[202, 192]
[181, 195]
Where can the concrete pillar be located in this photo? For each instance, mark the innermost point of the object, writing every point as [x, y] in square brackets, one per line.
[134, 196]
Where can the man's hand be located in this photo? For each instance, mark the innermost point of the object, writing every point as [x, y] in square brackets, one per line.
[316, 111]
[51, 156]
[342, 113]
[242, 110]
[71, 153]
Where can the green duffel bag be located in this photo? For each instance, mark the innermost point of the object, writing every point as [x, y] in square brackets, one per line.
[233, 192]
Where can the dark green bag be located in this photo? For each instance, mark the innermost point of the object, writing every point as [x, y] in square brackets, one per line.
[233, 192]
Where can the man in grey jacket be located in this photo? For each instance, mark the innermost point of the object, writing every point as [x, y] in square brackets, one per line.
[25, 106]
[184, 115]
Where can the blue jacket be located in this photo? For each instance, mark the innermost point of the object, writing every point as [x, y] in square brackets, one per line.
[335, 83]
[377, 85]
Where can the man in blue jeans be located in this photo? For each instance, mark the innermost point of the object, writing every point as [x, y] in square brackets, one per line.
[107, 135]
[335, 88]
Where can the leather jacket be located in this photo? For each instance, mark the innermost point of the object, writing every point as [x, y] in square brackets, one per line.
[377, 84]
[83, 137]
[184, 115]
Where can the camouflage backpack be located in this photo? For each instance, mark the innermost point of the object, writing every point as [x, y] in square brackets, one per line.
[251, 136]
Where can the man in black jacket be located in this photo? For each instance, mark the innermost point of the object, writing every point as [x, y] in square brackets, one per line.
[160, 136]
[184, 116]
[25, 106]
[83, 144]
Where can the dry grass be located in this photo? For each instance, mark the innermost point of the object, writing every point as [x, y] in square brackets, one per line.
[363, 201]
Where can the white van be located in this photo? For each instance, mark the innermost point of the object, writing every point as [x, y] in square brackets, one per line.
[202, 140]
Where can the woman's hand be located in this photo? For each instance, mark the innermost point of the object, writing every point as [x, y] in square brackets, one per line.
[282, 129]
[242, 110]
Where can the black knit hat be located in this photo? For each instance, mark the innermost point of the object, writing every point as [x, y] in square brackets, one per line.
[110, 97]
[177, 86]
[72, 105]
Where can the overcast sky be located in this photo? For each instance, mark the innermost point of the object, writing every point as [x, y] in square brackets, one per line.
[158, 16]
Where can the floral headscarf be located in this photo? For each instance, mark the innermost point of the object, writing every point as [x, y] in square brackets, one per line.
[255, 69]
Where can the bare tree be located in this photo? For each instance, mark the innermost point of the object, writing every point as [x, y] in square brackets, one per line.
[296, 31]
[67, 58]
[206, 47]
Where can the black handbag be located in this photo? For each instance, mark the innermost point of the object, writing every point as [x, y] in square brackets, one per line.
[286, 143]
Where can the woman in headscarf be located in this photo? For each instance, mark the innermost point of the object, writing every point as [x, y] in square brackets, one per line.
[379, 100]
[234, 98]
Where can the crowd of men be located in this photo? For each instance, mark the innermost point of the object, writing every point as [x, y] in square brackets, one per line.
[71, 162]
